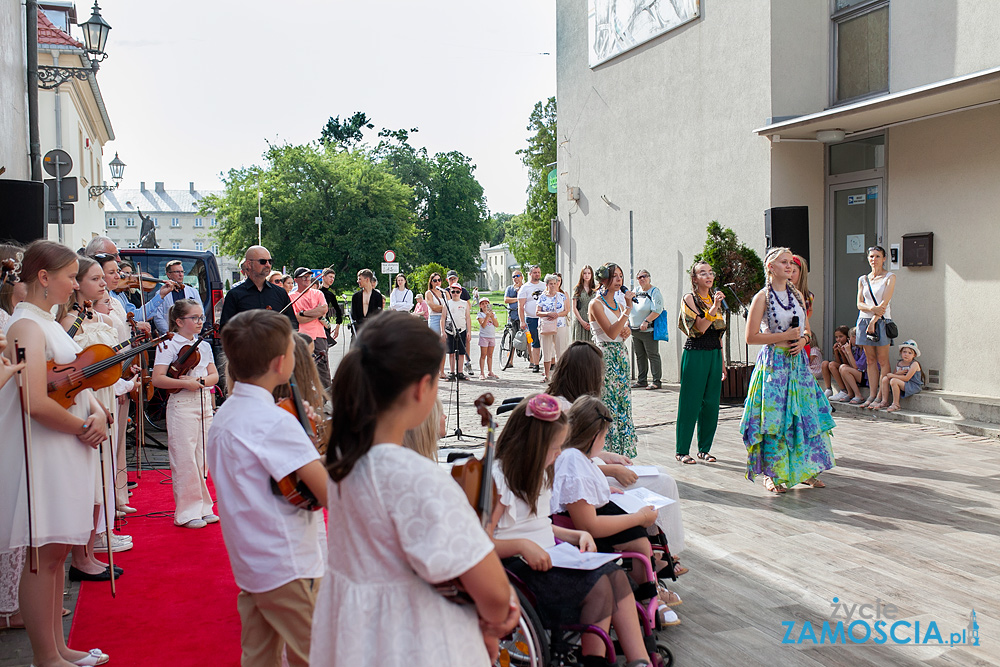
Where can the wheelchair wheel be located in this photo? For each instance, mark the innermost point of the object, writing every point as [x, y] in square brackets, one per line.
[507, 348]
[528, 644]
[664, 654]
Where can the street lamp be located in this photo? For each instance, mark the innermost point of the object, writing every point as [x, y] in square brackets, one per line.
[95, 36]
[117, 168]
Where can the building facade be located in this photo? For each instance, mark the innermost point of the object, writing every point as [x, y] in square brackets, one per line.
[72, 117]
[880, 117]
[175, 218]
[13, 94]
[498, 265]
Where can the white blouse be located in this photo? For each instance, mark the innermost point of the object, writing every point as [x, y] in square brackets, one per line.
[578, 478]
[401, 300]
[169, 350]
[518, 522]
[612, 315]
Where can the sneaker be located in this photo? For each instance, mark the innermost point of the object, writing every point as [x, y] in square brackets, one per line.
[638, 385]
[451, 377]
[463, 377]
[839, 396]
[536, 369]
[132, 484]
[210, 518]
[828, 392]
[193, 523]
[118, 543]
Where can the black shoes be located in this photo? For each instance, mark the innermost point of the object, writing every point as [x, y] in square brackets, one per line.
[79, 575]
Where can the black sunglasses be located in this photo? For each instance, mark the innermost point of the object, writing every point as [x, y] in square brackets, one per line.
[435, 280]
[265, 262]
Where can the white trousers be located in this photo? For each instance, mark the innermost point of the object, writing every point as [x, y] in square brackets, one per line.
[189, 416]
[121, 462]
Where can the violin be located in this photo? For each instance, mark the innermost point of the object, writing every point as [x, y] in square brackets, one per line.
[475, 476]
[291, 487]
[138, 336]
[96, 367]
[86, 312]
[188, 357]
[144, 281]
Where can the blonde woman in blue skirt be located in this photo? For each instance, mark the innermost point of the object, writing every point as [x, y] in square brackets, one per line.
[787, 421]
[609, 312]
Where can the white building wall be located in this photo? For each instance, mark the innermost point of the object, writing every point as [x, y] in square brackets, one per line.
[13, 94]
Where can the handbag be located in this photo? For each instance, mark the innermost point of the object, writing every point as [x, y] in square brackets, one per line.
[891, 330]
[661, 329]
[547, 325]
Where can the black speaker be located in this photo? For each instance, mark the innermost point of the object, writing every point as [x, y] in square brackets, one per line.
[22, 211]
[788, 226]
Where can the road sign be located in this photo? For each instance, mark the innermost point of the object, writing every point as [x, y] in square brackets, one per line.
[389, 256]
[67, 215]
[67, 188]
[57, 162]
[390, 267]
[553, 181]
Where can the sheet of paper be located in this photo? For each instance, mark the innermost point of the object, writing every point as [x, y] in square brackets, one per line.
[634, 500]
[644, 471]
[568, 556]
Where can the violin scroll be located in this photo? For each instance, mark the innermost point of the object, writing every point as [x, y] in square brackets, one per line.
[482, 407]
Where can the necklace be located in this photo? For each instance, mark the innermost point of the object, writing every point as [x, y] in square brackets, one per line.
[615, 309]
[707, 302]
[788, 293]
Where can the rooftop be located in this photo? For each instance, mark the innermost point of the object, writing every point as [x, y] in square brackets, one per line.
[50, 35]
[156, 200]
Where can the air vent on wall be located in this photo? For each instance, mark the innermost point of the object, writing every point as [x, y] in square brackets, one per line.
[933, 378]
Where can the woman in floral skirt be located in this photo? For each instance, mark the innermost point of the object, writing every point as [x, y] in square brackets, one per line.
[786, 422]
[609, 313]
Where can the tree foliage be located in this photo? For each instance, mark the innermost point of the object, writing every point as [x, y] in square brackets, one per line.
[496, 228]
[347, 133]
[418, 277]
[733, 262]
[529, 234]
[320, 207]
[456, 215]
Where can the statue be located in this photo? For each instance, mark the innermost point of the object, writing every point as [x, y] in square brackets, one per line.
[147, 233]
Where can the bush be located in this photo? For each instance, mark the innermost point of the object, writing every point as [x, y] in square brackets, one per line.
[418, 277]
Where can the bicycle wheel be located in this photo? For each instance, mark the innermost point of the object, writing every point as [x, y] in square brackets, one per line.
[507, 348]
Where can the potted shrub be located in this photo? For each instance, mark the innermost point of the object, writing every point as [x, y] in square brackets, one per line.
[734, 263]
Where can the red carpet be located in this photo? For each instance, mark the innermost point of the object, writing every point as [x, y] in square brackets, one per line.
[176, 602]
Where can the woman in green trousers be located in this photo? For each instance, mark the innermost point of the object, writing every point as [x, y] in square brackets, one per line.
[703, 365]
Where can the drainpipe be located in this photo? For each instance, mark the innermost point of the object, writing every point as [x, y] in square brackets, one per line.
[31, 56]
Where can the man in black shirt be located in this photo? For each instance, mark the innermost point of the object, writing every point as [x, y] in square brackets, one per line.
[255, 292]
[334, 311]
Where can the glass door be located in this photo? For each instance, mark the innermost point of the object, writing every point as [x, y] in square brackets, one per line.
[856, 215]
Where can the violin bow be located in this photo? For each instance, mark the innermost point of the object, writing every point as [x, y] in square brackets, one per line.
[303, 293]
[22, 388]
[107, 517]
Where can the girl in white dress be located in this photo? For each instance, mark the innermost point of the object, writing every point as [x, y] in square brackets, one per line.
[398, 523]
[63, 459]
[189, 415]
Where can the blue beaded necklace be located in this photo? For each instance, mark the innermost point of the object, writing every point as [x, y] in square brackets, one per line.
[788, 293]
[603, 295]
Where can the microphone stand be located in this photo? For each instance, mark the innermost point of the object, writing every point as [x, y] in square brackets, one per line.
[745, 312]
[460, 344]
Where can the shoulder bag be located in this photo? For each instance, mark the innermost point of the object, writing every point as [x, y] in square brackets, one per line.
[661, 326]
[891, 330]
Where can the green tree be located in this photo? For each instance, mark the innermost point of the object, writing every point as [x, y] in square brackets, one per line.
[496, 228]
[347, 133]
[529, 234]
[417, 280]
[733, 262]
[321, 207]
[456, 215]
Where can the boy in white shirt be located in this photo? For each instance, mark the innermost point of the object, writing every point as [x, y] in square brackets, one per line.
[274, 548]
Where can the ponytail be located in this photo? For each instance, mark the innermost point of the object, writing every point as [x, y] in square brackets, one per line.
[392, 352]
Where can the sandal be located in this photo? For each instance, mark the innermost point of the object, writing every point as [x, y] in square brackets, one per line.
[668, 597]
[493, 376]
[772, 487]
[686, 459]
[881, 405]
[894, 407]
[857, 400]
[706, 457]
[814, 482]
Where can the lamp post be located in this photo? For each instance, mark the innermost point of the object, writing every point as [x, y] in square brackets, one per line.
[95, 36]
[117, 168]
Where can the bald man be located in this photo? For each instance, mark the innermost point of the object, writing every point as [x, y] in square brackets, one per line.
[255, 292]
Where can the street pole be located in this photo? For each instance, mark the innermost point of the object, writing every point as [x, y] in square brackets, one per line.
[34, 143]
[259, 220]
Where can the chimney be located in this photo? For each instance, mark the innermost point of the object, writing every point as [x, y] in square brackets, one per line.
[159, 186]
[142, 186]
[191, 187]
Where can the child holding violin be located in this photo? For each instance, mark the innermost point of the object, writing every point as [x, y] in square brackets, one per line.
[399, 524]
[275, 549]
[189, 411]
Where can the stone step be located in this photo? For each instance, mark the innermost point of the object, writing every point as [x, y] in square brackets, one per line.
[952, 404]
[952, 422]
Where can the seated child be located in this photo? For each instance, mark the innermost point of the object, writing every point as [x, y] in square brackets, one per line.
[815, 357]
[841, 351]
[906, 381]
[527, 447]
[581, 491]
[853, 372]
[275, 549]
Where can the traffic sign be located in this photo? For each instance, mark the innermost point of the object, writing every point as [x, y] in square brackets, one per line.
[390, 267]
[57, 162]
[67, 215]
[389, 256]
[67, 188]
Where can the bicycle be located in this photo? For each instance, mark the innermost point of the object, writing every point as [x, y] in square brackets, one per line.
[514, 341]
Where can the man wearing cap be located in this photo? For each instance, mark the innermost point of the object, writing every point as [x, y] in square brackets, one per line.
[453, 280]
[309, 306]
[527, 304]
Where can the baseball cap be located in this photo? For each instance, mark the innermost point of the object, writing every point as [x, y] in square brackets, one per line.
[301, 271]
[452, 274]
[484, 298]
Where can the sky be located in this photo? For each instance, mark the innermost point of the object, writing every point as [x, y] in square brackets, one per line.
[194, 89]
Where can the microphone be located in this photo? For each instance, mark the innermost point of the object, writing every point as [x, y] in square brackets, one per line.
[795, 321]
[725, 306]
[625, 291]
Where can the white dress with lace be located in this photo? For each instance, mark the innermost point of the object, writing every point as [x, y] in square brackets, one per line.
[63, 469]
[397, 523]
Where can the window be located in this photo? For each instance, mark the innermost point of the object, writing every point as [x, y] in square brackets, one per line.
[175, 222]
[156, 223]
[130, 222]
[215, 248]
[858, 155]
[112, 222]
[175, 245]
[198, 222]
[213, 223]
[199, 245]
[862, 49]
[133, 244]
